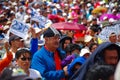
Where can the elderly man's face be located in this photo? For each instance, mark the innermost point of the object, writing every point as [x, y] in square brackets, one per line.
[53, 41]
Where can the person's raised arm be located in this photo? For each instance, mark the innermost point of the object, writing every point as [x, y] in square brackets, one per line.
[7, 60]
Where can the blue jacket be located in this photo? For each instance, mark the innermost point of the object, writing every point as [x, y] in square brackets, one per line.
[96, 57]
[79, 60]
[43, 61]
[33, 46]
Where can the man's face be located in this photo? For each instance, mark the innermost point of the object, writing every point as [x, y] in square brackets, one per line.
[18, 43]
[111, 57]
[113, 38]
[53, 41]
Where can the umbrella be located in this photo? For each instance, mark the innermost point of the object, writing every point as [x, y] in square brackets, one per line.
[99, 10]
[56, 18]
[68, 26]
[108, 16]
[118, 15]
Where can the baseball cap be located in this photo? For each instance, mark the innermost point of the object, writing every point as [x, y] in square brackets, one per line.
[84, 51]
[50, 32]
[87, 38]
[13, 37]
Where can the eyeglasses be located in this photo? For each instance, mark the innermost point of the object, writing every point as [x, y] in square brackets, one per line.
[24, 59]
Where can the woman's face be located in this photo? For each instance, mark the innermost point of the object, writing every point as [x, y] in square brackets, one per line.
[93, 48]
[24, 61]
[67, 42]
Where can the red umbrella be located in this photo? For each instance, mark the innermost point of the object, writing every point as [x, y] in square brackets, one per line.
[68, 26]
[56, 18]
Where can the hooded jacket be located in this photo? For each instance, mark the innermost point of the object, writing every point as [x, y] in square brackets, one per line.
[96, 57]
[78, 60]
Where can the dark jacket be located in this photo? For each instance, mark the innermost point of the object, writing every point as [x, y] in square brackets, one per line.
[96, 57]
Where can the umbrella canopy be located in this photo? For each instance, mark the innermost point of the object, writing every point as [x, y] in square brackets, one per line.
[118, 15]
[99, 10]
[68, 26]
[108, 16]
[56, 18]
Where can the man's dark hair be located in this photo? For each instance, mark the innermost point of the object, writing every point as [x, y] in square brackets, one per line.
[91, 45]
[111, 47]
[100, 72]
[100, 57]
[94, 28]
[72, 47]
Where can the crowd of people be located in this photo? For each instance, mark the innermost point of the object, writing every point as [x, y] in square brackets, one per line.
[48, 53]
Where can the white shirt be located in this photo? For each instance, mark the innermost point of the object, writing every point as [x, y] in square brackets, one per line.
[20, 16]
[34, 74]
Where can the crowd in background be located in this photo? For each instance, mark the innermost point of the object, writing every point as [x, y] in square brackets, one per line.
[81, 51]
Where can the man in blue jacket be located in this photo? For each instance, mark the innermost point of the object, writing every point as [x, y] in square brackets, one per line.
[48, 59]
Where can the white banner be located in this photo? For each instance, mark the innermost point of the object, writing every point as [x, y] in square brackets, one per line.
[19, 28]
[43, 21]
[104, 34]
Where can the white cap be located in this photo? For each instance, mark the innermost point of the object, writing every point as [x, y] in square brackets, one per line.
[74, 2]
[49, 4]
[14, 3]
[112, 20]
[37, 10]
[104, 18]
[89, 4]
[6, 27]
[114, 10]
[107, 6]
[84, 51]
[66, 4]
[102, 2]
[2, 15]
[58, 6]
[64, 14]
[87, 38]
[7, 7]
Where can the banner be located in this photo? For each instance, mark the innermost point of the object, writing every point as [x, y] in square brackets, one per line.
[19, 28]
[43, 21]
[104, 34]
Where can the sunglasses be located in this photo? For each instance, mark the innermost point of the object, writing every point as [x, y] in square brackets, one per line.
[24, 59]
